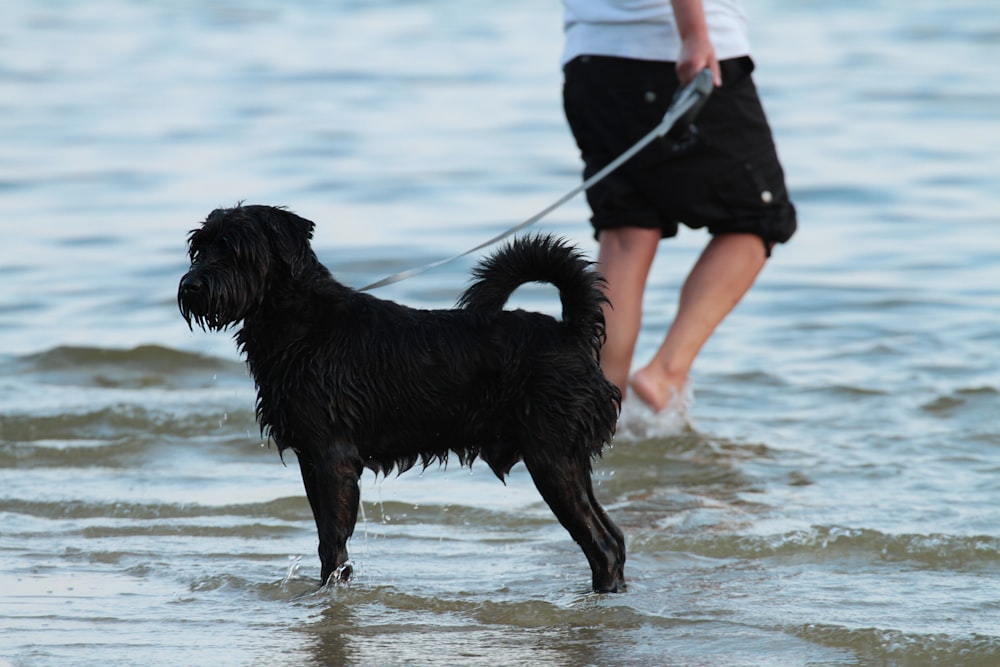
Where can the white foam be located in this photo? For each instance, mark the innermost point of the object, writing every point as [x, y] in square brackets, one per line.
[638, 421]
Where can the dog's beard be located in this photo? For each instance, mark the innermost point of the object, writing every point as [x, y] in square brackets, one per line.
[222, 301]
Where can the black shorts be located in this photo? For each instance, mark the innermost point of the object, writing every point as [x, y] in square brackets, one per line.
[725, 175]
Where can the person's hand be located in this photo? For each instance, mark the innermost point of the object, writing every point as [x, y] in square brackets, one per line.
[697, 53]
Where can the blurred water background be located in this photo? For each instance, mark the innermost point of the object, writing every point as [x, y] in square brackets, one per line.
[833, 500]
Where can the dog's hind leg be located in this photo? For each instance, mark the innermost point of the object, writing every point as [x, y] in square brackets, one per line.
[566, 488]
[331, 477]
[608, 524]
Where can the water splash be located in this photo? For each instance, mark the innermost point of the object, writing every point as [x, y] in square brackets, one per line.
[294, 565]
[638, 421]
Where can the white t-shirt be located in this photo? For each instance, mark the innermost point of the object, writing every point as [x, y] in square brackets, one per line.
[646, 30]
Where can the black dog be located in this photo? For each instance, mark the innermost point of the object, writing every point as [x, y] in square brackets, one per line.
[350, 381]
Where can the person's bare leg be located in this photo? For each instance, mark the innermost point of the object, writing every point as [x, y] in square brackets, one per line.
[624, 258]
[722, 275]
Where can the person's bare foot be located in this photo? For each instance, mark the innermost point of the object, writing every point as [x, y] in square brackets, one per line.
[657, 390]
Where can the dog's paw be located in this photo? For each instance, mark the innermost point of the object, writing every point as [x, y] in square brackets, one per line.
[344, 573]
[341, 575]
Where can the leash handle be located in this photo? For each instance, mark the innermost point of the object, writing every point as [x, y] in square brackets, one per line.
[686, 104]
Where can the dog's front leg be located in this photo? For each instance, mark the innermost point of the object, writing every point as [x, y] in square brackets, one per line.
[331, 476]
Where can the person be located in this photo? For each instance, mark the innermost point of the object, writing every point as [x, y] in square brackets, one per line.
[623, 60]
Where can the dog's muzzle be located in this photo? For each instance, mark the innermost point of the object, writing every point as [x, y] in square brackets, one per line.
[190, 297]
[189, 286]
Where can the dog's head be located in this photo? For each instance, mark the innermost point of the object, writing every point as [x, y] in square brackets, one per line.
[237, 256]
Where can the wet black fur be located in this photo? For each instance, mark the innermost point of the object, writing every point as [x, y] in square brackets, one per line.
[348, 381]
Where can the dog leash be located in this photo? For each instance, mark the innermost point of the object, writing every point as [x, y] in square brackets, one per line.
[685, 106]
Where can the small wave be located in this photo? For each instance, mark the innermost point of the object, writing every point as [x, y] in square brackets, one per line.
[582, 609]
[22, 448]
[151, 356]
[654, 455]
[130, 530]
[454, 515]
[222, 582]
[109, 433]
[291, 509]
[949, 552]
[138, 367]
[883, 646]
[542, 614]
[983, 398]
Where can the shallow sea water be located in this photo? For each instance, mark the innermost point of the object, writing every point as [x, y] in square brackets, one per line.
[832, 497]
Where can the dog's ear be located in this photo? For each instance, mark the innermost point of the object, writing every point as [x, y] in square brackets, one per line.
[291, 234]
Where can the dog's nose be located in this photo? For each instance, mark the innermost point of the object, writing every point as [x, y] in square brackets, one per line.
[190, 284]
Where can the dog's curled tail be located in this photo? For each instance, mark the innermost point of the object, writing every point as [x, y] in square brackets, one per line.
[546, 259]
